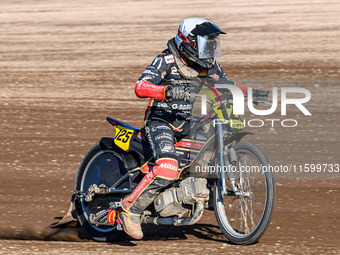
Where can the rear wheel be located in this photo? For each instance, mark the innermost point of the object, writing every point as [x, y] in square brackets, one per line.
[244, 216]
[100, 166]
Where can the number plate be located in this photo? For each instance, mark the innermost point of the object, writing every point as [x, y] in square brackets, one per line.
[123, 137]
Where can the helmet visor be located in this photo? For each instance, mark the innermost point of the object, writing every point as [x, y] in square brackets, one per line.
[209, 46]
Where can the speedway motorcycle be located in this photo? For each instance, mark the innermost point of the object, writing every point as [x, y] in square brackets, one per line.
[213, 162]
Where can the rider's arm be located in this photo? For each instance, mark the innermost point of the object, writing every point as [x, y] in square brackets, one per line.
[148, 84]
[148, 89]
[219, 77]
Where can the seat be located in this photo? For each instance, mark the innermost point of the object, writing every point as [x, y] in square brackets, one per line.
[116, 123]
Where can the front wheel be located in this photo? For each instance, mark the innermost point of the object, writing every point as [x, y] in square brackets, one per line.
[100, 166]
[243, 215]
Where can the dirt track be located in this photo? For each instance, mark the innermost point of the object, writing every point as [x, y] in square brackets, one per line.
[65, 66]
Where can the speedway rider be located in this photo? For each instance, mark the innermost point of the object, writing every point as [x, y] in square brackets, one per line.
[189, 56]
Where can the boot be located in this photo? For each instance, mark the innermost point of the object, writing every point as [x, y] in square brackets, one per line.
[131, 224]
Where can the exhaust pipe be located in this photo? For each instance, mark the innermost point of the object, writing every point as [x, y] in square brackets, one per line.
[193, 219]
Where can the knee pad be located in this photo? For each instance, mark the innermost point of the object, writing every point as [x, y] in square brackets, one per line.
[166, 168]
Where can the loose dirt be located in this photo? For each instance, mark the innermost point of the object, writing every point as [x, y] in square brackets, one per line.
[65, 66]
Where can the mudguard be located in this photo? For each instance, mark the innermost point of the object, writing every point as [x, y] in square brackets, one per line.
[236, 136]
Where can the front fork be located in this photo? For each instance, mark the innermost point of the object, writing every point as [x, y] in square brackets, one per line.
[227, 155]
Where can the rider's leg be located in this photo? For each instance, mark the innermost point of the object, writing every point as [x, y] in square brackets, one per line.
[161, 139]
[160, 176]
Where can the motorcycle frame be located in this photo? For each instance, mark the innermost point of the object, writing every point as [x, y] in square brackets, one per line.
[222, 143]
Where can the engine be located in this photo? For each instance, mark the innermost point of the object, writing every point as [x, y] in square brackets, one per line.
[191, 190]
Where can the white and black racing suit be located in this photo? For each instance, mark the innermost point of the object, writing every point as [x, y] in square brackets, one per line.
[172, 113]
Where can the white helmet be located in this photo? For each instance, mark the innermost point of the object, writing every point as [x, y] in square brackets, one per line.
[197, 39]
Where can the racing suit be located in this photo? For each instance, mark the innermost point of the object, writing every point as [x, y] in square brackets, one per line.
[166, 120]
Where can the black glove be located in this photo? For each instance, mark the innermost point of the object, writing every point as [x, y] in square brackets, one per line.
[260, 95]
[177, 93]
